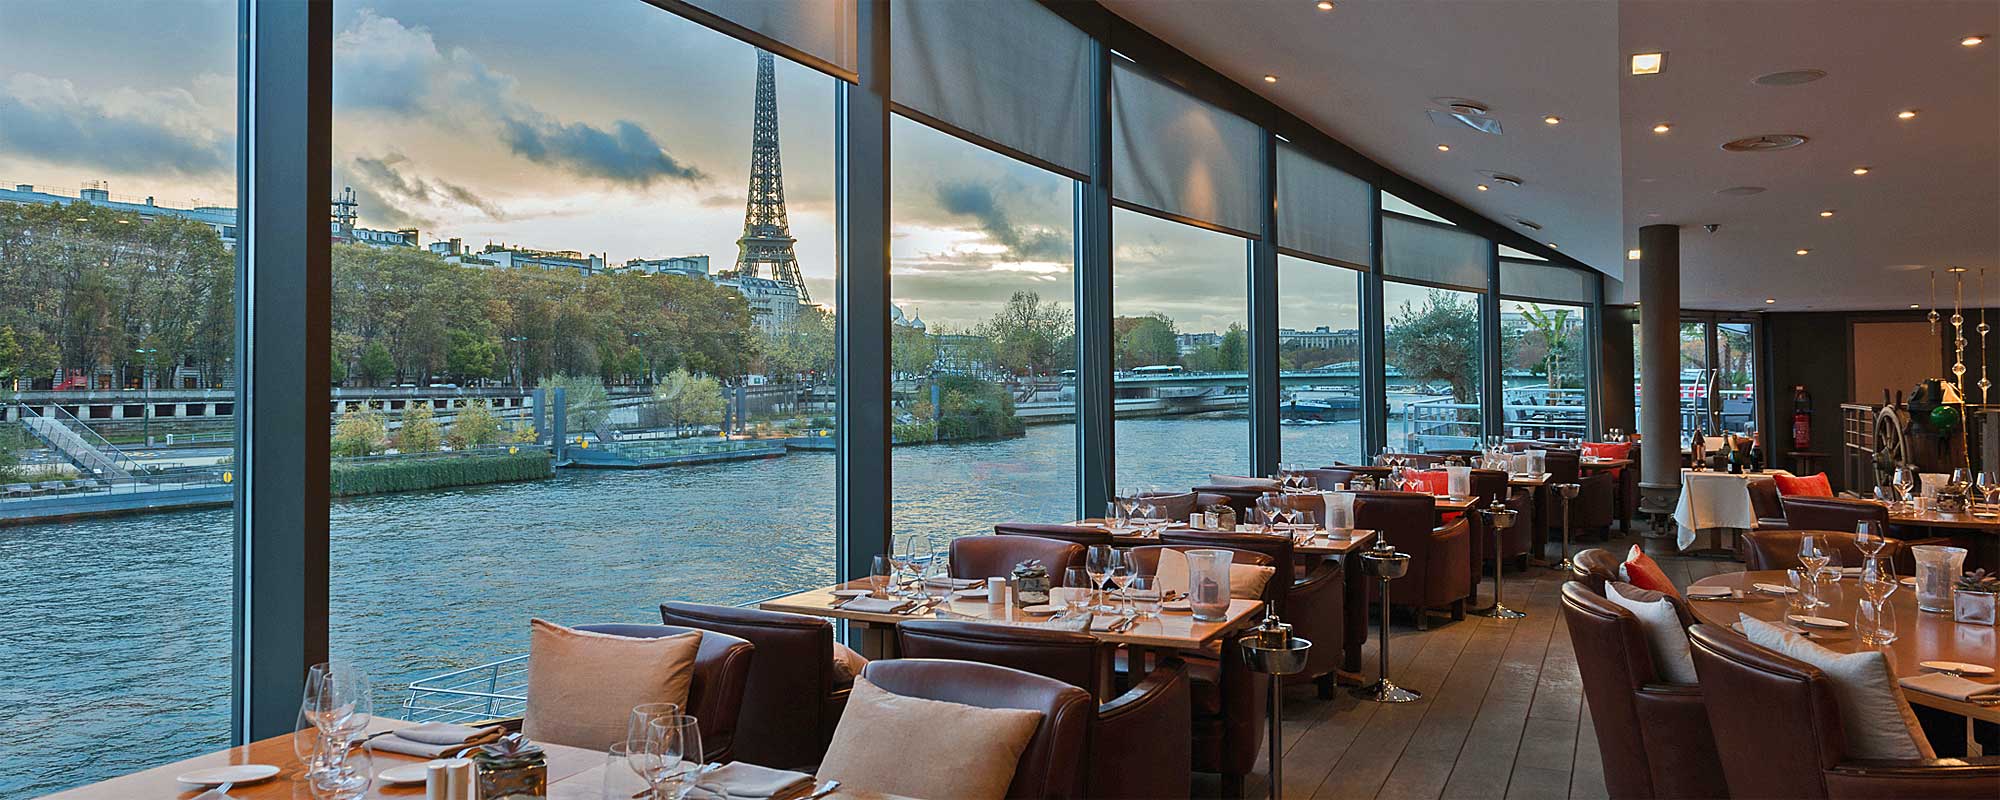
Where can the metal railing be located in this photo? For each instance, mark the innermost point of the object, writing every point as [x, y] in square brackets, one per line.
[493, 690]
[50, 428]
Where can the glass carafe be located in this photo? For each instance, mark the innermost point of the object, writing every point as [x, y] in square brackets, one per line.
[1208, 584]
[1938, 567]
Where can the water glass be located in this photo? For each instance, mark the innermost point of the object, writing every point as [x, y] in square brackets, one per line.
[1146, 595]
[880, 572]
[1875, 620]
[1116, 517]
[350, 781]
[624, 779]
[1076, 589]
[677, 743]
[640, 724]
[1801, 598]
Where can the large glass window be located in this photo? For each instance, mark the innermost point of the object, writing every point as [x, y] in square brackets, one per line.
[117, 386]
[1544, 386]
[1180, 296]
[1319, 362]
[982, 337]
[1696, 379]
[582, 337]
[1736, 398]
[1432, 346]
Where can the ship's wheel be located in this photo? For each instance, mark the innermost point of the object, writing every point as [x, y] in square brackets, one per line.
[1889, 445]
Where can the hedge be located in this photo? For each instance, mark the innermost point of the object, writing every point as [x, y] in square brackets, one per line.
[418, 473]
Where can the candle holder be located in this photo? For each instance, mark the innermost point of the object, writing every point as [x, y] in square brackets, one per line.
[1499, 518]
[1386, 565]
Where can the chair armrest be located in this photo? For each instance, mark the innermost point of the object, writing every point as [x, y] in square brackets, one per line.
[1939, 778]
[1138, 731]
[1326, 572]
[1988, 766]
[1670, 691]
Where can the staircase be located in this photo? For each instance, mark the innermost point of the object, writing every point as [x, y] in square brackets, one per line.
[76, 442]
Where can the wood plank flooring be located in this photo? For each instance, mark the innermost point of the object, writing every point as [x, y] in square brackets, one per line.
[1502, 713]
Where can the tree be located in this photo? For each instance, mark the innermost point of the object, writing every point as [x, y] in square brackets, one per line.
[585, 404]
[475, 426]
[1438, 341]
[1145, 341]
[1554, 343]
[911, 351]
[336, 368]
[419, 432]
[1027, 337]
[10, 354]
[688, 399]
[12, 442]
[376, 365]
[360, 432]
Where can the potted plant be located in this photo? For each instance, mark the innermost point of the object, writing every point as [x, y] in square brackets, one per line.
[1972, 598]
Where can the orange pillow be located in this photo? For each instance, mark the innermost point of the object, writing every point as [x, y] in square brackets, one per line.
[1612, 450]
[1429, 482]
[1814, 485]
[1642, 571]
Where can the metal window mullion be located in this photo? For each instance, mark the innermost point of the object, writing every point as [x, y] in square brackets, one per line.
[864, 486]
[1593, 359]
[1491, 420]
[1263, 368]
[1096, 417]
[1374, 363]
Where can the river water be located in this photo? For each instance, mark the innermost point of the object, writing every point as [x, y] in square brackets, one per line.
[115, 655]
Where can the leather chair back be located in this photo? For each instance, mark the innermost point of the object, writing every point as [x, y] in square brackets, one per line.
[1067, 656]
[1775, 720]
[1832, 513]
[1373, 472]
[790, 701]
[1325, 478]
[990, 556]
[721, 673]
[1175, 506]
[1767, 550]
[1146, 558]
[1241, 498]
[1278, 549]
[1654, 738]
[1067, 533]
[1764, 500]
[1564, 466]
[1052, 765]
[1593, 567]
[1440, 556]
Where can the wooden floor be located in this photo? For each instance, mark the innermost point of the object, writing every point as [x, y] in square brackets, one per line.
[1502, 713]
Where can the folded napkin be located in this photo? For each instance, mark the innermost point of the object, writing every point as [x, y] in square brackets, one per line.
[955, 583]
[436, 739]
[875, 605]
[1950, 686]
[740, 781]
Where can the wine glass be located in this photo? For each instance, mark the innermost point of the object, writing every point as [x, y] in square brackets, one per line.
[1814, 559]
[1097, 563]
[1115, 519]
[640, 724]
[1874, 618]
[1989, 489]
[338, 702]
[1868, 537]
[1076, 590]
[1904, 480]
[1121, 573]
[1149, 512]
[350, 782]
[624, 779]
[309, 745]
[642, 757]
[677, 744]
[1267, 511]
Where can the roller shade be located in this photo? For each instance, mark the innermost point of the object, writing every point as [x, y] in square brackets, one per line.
[1008, 71]
[1526, 279]
[1433, 254]
[823, 29]
[1321, 210]
[1173, 153]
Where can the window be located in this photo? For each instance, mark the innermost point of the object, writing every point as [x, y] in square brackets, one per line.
[116, 251]
[1319, 362]
[1432, 346]
[1180, 299]
[1544, 386]
[982, 337]
[661, 252]
[1695, 376]
[1736, 398]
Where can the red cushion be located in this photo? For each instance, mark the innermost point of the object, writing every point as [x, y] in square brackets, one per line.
[1814, 485]
[1641, 571]
[1613, 450]
[1428, 481]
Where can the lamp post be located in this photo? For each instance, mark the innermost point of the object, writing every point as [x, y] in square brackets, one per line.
[518, 342]
[146, 394]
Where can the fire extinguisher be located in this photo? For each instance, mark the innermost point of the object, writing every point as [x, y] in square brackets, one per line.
[1801, 418]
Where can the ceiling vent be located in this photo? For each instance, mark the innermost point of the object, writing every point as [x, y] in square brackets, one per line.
[1528, 223]
[1502, 178]
[1790, 77]
[1740, 191]
[1460, 111]
[1767, 143]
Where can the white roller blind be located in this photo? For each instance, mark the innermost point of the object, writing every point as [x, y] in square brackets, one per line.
[1546, 282]
[1173, 153]
[1433, 254]
[1009, 71]
[1321, 210]
[824, 29]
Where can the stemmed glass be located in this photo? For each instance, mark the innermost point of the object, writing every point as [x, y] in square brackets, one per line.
[1904, 480]
[1267, 511]
[880, 574]
[1097, 564]
[1397, 478]
[1814, 559]
[642, 757]
[1989, 490]
[1115, 518]
[1077, 590]
[1121, 573]
[1148, 514]
[676, 743]
[1874, 618]
[1868, 538]
[338, 702]
[357, 771]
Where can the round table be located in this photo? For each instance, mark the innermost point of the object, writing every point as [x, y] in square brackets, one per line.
[1920, 635]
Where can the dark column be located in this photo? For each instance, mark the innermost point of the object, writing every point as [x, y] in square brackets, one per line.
[1374, 364]
[1660, 377]
[1263, 367]
[1616, 374]
[1491, 405]
[1096, 467]
[862, 505]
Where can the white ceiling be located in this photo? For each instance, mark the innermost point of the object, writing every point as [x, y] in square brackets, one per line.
[1365, 74]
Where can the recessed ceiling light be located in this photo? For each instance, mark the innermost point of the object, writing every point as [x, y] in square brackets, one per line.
[1770, 301]
[1632, 255]
[1552, 245]
[1908, 113]
[1973, 41]
[1801, 251]
[1790, 77]
[1648, 63]
[1481, 187]
[1270, 79]
[1662, 128]
[1444, 148]
[1915, 305]
[1826, 213]
[1954, 269]
[1860, 170]
[1323, 5]
[1552, 119]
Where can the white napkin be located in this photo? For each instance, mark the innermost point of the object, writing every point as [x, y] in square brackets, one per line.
[751, 782]
[1949, 686]
[874, 605]
[432, 739]
[955, 583]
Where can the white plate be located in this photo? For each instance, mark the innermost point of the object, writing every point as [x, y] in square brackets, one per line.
[851, 592]
[1817, 622]
[1042, 610]
[1774, 588]
[1959, 667]
[407, 773]
[969, 594]
[1708, 591]
[236, 773]
[1911, 581]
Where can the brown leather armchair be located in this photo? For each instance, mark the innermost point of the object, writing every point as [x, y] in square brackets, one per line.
[1068, 533]
[715, 696]
[1488, 484]
[1241, 498]
[1053, 764]
[1136, 739]
[1372, 472]
[1175, 506]
[1777, 727]
[1440, 556]
[791, 696]
[1592, 510]
[988, 556]
[1780, 550]
[1653, 736]
[1766, 504]
[1593, 567]
[1832, 513]
[1314, 602]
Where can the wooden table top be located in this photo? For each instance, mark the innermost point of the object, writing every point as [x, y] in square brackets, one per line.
[1540, 479]
[574, 774]
[1172, 629]
[1319, 545]
[1921, 636]
[1937, 519]
[1599, 466]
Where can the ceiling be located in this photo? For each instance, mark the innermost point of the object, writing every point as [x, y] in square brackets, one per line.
[1367, 72]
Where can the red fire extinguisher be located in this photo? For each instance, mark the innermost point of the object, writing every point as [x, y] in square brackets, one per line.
[1801, 418]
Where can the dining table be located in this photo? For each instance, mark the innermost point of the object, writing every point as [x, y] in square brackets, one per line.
[574, 773]
[1920, 635]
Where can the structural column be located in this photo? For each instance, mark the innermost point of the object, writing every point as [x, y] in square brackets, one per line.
[862, 328]
[1660, 379]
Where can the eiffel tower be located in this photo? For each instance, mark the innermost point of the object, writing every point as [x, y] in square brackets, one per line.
[767, 236]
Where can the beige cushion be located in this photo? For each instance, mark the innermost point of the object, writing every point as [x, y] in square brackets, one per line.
[966, 751]
[582, 685]
[1241, 480]
[1665, 637]
[846, 664]
[1246, 581]
[1874, 716]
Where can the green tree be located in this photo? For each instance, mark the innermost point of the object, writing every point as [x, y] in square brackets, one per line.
[1438, 341]
[376, 365]
[689, 399]
[419, 432]
[585, 403]
[12, 442]
[336, 368]
[472, 357]
[1029, 337]
[1145, 341]
[1554, 343]
[911, 351]
[10, 355]
[474, 426]
[359, 433]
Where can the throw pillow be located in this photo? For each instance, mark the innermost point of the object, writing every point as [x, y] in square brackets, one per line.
[1815, 485]
[846, 664]
[1874, 715]
[1426, 481]
[1642, 571]
[1612, 450]
[1665, 638]
[968, 752]
[582, 685]
[1246, 581]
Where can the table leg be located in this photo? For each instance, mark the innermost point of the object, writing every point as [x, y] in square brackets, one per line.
[1355, 627]
[877, 641]
[1107, 670]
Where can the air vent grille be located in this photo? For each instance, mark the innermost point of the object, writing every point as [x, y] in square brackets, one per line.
[1766, 143]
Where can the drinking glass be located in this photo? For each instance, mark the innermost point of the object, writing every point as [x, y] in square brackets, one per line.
[640, 724]
[1097, 563]
[1904, 480]
[880, 572]
[351, 780]
[1076, 589]
[624, 780]
[1115, 517]
[1878, 578]
[1802, 586]
[677, 744]
[309, 745]
[1267, 511]
[641, 758]
[1868, 537]
[1121, 573]
[1146, 595]
[1149, 514]
[1814, 559]
[1989, 489]
[1876, 622]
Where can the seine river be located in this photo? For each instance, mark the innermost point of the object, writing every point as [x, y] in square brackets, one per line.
[116, 653]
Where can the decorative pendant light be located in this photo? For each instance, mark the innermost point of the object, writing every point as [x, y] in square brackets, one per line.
[1985, 358]
[1958, 327]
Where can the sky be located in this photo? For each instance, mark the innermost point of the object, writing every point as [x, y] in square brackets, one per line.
[612, 127]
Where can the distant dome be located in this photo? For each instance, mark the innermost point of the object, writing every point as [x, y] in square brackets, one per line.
[895, 315]
[917, 322]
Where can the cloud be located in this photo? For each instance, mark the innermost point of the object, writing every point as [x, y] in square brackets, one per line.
[387, 177]
[384, 66]
[976, 200]
[126, 130]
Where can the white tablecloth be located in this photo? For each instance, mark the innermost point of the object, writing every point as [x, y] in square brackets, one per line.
[1715, 500]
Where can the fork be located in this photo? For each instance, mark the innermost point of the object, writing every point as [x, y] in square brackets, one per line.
[220, 792]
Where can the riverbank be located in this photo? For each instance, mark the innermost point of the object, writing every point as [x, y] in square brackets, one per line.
[419, 473]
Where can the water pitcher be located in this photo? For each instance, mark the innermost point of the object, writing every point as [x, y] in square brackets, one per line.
[1208, 584]
[1938, 568]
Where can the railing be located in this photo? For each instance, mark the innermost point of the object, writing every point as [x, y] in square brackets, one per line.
[180, 478]
[68, 435]
[493, 690]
